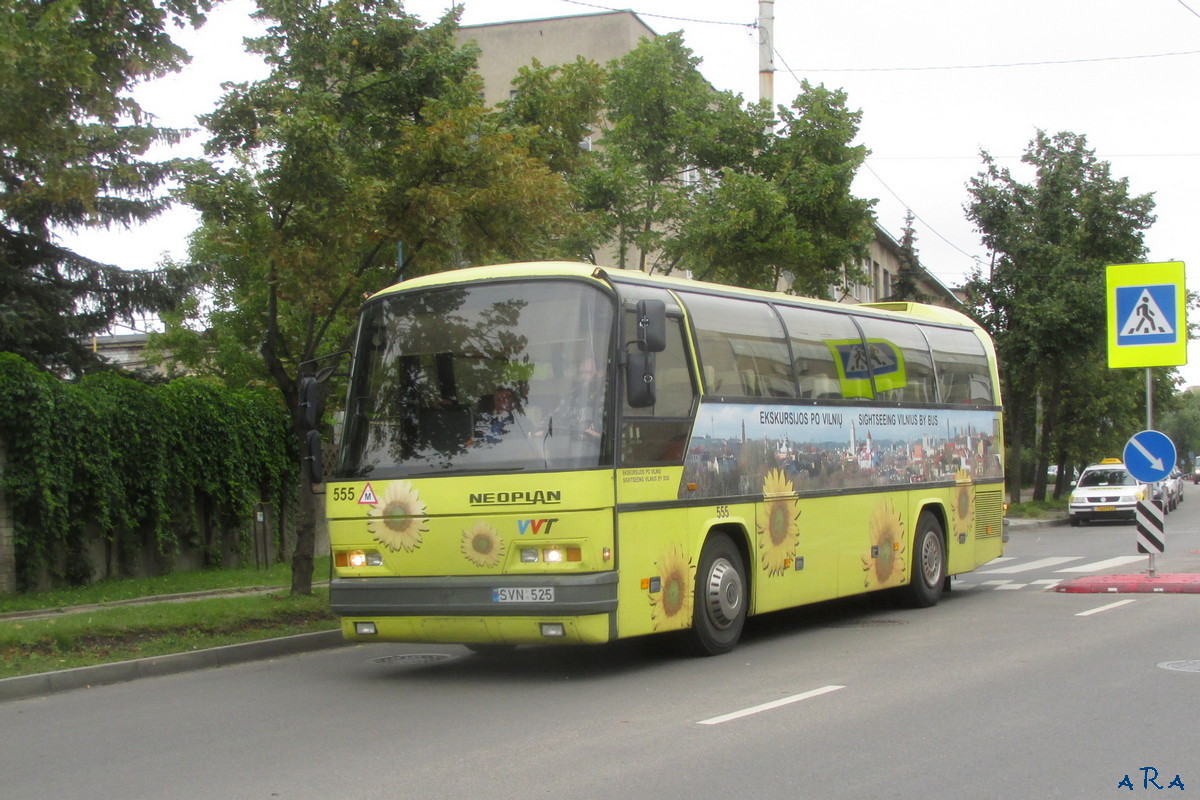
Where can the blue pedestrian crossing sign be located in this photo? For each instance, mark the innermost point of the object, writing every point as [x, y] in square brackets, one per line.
[1147, 316]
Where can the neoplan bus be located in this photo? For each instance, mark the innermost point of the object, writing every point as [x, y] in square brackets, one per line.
[553, 452]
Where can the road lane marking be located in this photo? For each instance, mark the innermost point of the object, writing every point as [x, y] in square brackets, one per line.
[1053, 561]
[1097, 566]
[1108, 607]
[768, 706]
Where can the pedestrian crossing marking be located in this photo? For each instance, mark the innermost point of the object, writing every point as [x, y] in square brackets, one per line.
[1053, 561]
[1012, 566]
[1111, 563]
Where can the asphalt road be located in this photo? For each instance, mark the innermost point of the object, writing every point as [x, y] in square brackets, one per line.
[1005, 689]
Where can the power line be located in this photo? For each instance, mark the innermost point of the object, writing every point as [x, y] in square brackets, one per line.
[917, 216]
[1189, 8]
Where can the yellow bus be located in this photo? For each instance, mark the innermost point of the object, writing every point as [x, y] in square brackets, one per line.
[559, 453]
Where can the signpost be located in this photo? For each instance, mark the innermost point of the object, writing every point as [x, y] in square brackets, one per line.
[1150, 456]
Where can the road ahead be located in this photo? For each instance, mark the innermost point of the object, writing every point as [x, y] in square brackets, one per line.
[1005, 689]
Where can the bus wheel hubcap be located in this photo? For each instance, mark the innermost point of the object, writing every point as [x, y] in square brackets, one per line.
[931, 560]
[724, 595]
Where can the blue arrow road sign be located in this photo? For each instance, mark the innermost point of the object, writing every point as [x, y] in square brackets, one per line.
[1149, 456]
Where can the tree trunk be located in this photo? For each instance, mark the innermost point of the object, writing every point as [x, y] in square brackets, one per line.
[306, 521]
[1012, 475]
[302, 558]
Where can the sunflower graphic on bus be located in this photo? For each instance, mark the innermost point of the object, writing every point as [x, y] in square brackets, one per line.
[964, 505]
[482, 546]
[778, 533]
[671, 606]
[398, 521]
[883, 563]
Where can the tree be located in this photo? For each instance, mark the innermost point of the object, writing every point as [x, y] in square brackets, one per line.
[73, 154]
[1043, 300]
[694, 179]
[663, 127]
[555, 112]
[905, 287]
[363, 157]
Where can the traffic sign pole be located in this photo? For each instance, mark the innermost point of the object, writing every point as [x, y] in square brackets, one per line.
[1150, 456]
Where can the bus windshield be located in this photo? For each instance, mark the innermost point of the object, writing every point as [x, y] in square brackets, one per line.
[490, 377]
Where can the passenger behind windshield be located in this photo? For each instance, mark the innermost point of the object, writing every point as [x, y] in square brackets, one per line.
[1107, 477]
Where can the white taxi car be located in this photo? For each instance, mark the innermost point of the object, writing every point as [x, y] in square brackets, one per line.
[1106, 491]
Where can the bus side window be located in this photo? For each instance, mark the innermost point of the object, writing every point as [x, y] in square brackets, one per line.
[658, 434]
[742, 347]
[901, 365]
[812, 332]
[962, 366]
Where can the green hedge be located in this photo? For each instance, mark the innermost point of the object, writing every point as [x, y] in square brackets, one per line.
[133, 464]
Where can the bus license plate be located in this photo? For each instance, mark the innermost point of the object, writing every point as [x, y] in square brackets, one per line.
[524, 594]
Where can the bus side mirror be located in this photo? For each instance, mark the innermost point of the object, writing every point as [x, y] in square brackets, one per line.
[652, 326]
[639, 380]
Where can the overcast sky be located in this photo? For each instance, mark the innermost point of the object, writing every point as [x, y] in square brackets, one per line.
[937, 81]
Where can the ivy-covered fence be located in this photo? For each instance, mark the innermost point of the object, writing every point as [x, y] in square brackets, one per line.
[111, 476]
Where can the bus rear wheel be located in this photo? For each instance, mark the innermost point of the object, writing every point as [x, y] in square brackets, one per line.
[928, 563]
[720, 600]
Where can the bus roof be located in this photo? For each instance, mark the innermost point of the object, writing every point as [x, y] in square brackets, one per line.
[609, 276]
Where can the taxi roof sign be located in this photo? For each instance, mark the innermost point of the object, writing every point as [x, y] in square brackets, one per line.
[1147, 315]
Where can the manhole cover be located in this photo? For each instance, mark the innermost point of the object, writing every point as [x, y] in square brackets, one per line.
[414, 659]
[1182, 666]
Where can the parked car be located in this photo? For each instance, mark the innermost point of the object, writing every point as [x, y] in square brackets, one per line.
[1106, 491]
[1174, 483]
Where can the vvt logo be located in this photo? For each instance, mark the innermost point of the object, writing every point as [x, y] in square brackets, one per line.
[525, 526]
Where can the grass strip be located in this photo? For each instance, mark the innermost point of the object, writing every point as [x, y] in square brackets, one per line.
[102, 636]
[118, 589]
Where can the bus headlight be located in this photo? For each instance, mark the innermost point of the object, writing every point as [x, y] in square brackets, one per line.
[363, 558]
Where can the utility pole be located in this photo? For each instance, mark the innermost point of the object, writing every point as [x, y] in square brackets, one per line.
[766, 52]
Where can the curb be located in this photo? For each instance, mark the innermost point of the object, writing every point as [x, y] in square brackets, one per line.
[1181, 583]
[1021, 522]
[45, 683]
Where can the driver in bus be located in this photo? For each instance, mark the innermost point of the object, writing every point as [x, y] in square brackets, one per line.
[579, 411]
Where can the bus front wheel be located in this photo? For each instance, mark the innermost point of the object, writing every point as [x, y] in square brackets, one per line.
[720, 600]
[928, 563]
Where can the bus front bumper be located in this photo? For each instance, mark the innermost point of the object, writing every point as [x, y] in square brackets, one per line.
[474, 609]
